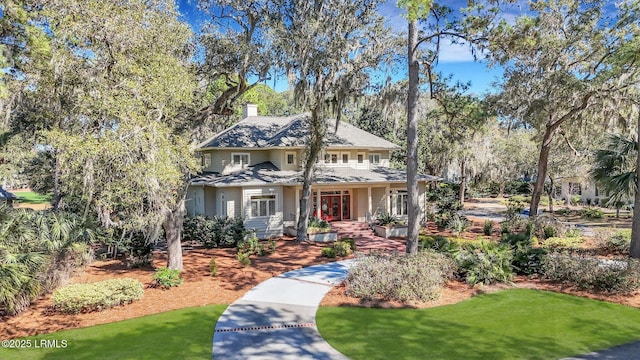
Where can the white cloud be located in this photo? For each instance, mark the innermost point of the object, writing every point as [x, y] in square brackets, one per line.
[454, 53]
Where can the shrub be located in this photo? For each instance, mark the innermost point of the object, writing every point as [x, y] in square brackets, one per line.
[618, 241]
[550, 231]
[273, 245]
[562, 242]
[403, 278]
[328, 252]
[448, 207]
[487, 263]
[592, 274]
[342, 248]
[166, 278]
[386, 219]
[351, 242]
[97, 296]
[219, 231]
[575, 199]
[592, 213]
[573, 232]
[527, 260]
[213, 267]
[318, 225]
[458, 224]
[487, 228]
[243, 258]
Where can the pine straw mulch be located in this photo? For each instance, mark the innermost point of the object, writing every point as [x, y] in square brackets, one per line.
[233, 280]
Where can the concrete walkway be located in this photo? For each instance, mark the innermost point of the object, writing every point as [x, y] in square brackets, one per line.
[276, 319]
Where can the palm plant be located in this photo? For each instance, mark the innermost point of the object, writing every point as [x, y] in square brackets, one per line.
[615, 168]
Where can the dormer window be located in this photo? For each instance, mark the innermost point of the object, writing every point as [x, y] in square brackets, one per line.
[240, 159]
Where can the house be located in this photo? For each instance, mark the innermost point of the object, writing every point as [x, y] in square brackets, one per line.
[254, 170]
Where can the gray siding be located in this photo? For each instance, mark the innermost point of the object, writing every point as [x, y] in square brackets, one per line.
[265, 226]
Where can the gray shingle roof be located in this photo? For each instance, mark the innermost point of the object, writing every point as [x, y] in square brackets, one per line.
[266, 173]
[269, 132]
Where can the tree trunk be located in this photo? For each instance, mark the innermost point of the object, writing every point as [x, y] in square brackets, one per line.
[412, 140]
[501, 189]
[634, 248]
[463, 182]
[550, 194]
[57, 183]
[317, 131]
[543, 160]
[173, 233]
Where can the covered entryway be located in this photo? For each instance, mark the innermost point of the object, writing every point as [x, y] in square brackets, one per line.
[334, 205]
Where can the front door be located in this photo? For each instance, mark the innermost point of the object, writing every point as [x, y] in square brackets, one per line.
[330, 207]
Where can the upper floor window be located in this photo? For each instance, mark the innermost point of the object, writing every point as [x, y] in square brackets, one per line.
[263, 205]
[331, 158]
[345, 158]
[291, 158]
[206, 160]
[360, 158]
[374, 159]
[240, 159]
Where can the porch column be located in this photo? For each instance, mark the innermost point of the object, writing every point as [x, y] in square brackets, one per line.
[388, 195]
[369, 201]
[318, 205]
[297, 214]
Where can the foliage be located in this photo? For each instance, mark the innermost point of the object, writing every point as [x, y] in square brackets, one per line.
[328, 252]
[342, 248]
[562, 242]
[317, 225]
[404, 278]
[592, 213]
[243, 258]
[617, 241]
[527, 259]
[486, 263]
[350, 241]
[166, 278]
[458, 224]
[273, 245]
[487, 227]
[592, 274]
[213, 267]
[448, 207]
[220, 231]
[38, 252]
[97, 296]
[614, 168]
[385, 219]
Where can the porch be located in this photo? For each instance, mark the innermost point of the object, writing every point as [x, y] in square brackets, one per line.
[365, 239]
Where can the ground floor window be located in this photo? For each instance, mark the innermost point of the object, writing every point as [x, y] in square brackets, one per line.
[263, 205]
[399, 201]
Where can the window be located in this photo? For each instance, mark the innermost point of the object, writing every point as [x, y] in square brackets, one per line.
[331, 158]
[291, 158]
[401, 203]
[360, 158]
[374, 159]
[240, 159]
[206, 160]
[263, 205]
[345, 158]
[575, 189]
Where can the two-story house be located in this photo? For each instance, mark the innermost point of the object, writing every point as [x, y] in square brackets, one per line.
[254, 170]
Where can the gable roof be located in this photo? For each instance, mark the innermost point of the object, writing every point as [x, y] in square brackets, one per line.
[292, 131]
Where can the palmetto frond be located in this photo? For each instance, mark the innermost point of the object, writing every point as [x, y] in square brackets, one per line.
[615, 167]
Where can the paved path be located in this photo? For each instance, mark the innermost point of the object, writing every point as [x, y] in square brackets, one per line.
[622, 352]
[276, 319]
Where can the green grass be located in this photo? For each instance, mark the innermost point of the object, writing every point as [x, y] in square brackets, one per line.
[180, 334]
[510, 324]
[31, 197]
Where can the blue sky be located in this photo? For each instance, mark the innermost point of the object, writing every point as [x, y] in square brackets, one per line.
[454, 59]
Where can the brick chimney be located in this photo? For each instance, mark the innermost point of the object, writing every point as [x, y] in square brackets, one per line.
[249, 110]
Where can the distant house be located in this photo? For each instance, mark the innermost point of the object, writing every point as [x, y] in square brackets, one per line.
[254, 170]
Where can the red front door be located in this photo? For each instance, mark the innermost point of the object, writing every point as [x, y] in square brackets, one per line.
[330, 207]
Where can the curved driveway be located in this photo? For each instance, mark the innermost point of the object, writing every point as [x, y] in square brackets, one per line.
[276, 319]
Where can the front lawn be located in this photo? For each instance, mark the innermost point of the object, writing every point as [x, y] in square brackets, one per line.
[32, 197]
[180, 334]
[509, 324]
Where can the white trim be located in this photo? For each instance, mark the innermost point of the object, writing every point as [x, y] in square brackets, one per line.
[262, 203]
[241, 164]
